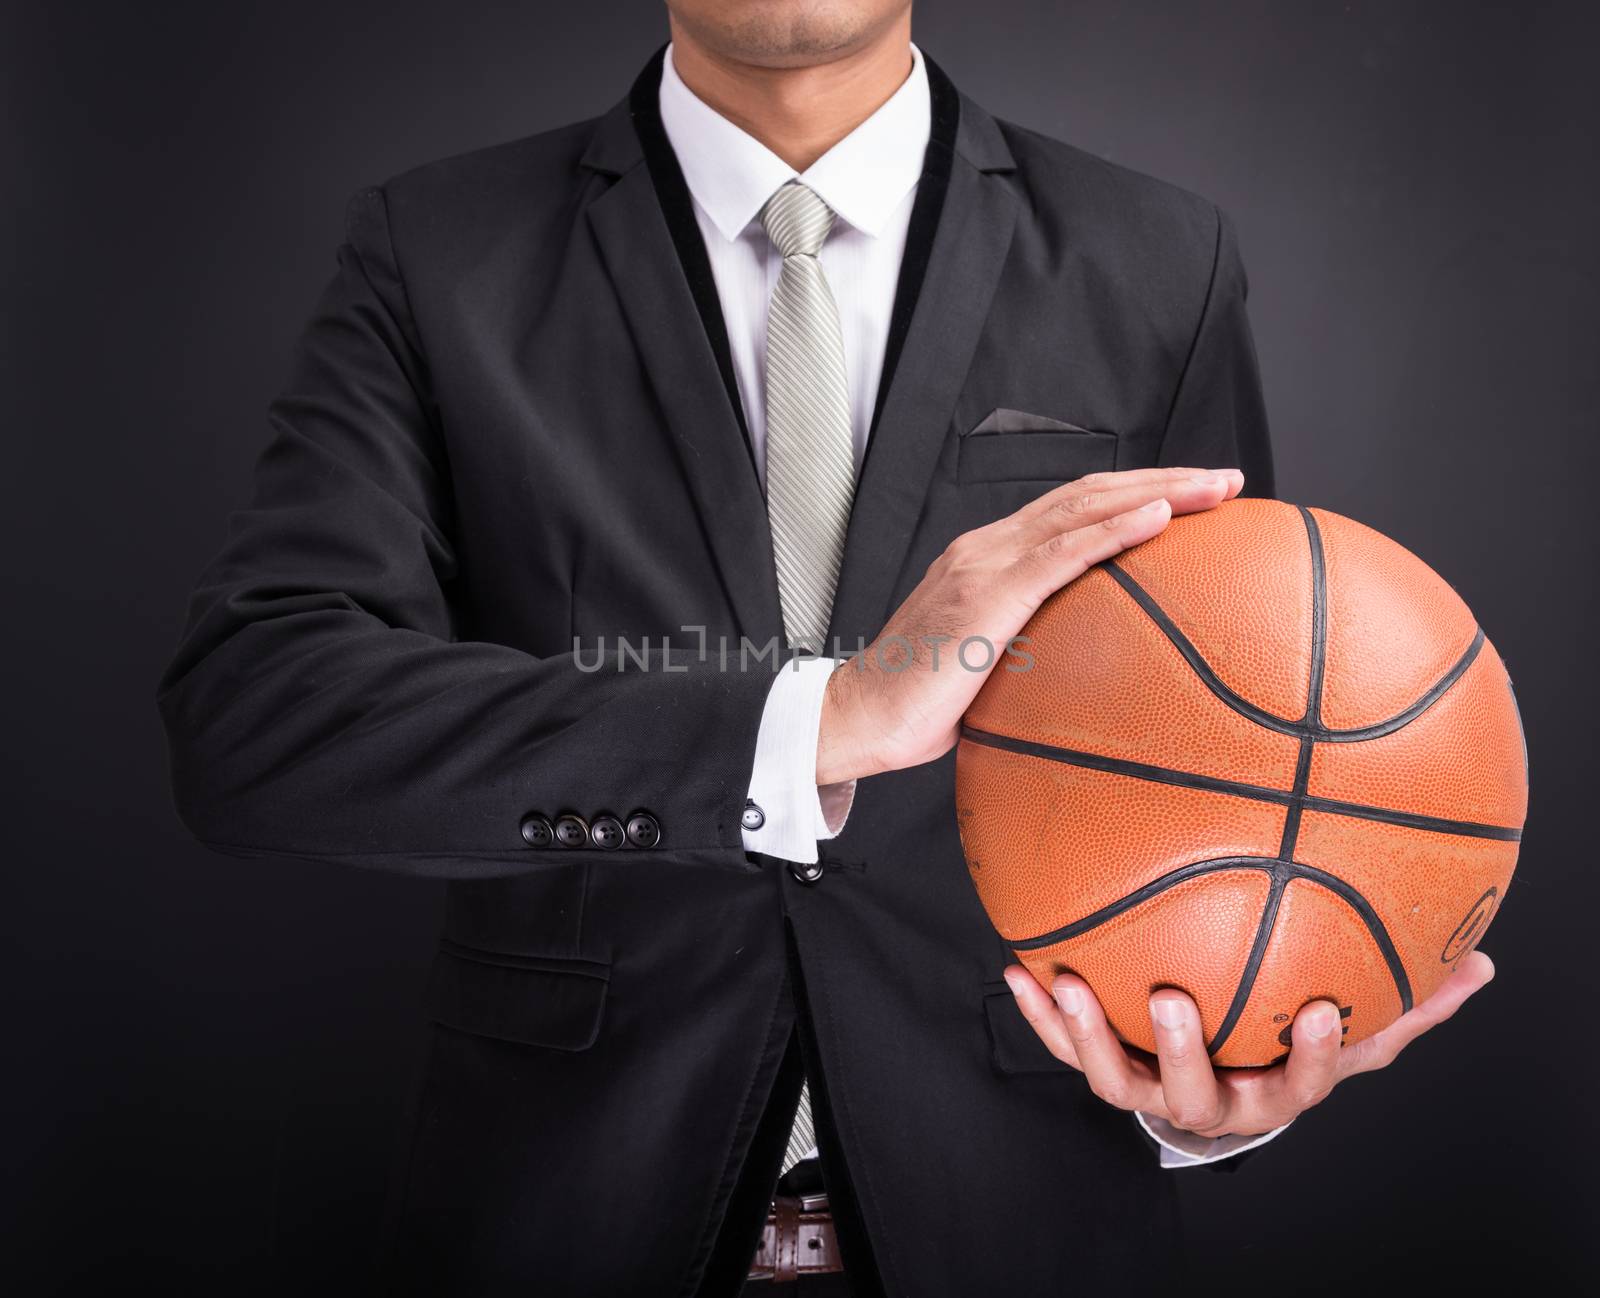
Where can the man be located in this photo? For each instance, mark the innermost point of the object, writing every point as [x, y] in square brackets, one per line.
[795, 346]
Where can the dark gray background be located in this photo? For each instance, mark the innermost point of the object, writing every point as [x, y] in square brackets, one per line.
[1416, 198]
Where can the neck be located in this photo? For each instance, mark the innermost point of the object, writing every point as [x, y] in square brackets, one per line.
[798, 112]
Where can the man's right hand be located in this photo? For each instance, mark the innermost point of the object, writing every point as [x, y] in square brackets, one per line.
[900, 702]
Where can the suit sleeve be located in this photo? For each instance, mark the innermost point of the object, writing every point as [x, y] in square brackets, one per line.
[1219, 417]
[320, 703]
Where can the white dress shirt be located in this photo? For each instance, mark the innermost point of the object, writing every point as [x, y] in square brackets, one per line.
[869, 179]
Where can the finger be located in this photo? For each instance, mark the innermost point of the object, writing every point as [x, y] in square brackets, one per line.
[1189, 1085]
[1313, 1064]
[1379, 1050]
[1042, 1013]
[1123, 478]
[1104, 1062]
[1045, 568]
[1080, 504]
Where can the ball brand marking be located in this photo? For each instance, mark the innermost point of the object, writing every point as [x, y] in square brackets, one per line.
[1286, 1037]
[1469, 929]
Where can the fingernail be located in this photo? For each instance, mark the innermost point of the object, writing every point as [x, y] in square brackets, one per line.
[1013, 983]
[1321, 1021]
[1210, 480]
[1070, 999]
[1155, 506]
[1169, 1013]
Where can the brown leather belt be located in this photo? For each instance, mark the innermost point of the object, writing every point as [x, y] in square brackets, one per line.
[798, 1240]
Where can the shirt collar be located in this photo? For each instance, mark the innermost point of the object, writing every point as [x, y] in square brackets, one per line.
[863, 178]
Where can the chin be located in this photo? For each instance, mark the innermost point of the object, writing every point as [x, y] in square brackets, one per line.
[783, 33]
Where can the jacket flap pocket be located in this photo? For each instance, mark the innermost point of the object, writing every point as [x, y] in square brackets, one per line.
[535, 1001]
[1017, 1048]
[1051, 455]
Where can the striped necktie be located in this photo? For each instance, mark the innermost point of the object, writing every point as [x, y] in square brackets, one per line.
[811, 476]
[810, 457]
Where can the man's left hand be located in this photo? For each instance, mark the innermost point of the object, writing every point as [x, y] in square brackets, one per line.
[1179, 1083]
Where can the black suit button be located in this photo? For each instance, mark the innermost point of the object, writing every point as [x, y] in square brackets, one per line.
[753, 817]
[571, 831]
[644, 830]
[606, 833]
[536, 831]
[806, 872]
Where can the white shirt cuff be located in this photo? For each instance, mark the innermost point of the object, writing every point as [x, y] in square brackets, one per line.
[793, 812]
[1185, 1149]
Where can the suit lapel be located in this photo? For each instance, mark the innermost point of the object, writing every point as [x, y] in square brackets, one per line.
[954, 253]
[961, 228]
[653, 276]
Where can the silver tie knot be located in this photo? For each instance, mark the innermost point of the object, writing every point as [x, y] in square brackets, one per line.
[796, 220]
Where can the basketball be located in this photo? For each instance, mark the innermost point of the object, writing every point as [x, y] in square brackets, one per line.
[1267, 757]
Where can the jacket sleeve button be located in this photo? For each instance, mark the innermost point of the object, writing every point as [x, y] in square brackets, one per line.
[571, 831]
[644, 830]
[606, 832]
[536, 831]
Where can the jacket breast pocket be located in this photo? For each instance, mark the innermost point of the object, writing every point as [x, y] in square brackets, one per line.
[554, 1002]
[998, 472]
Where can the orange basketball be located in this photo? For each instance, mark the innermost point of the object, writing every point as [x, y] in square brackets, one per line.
[1267, 757]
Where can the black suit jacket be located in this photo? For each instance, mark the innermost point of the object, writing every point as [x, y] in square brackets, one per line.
[511, 424]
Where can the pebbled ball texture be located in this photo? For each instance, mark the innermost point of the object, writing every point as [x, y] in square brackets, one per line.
[1267, 757]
